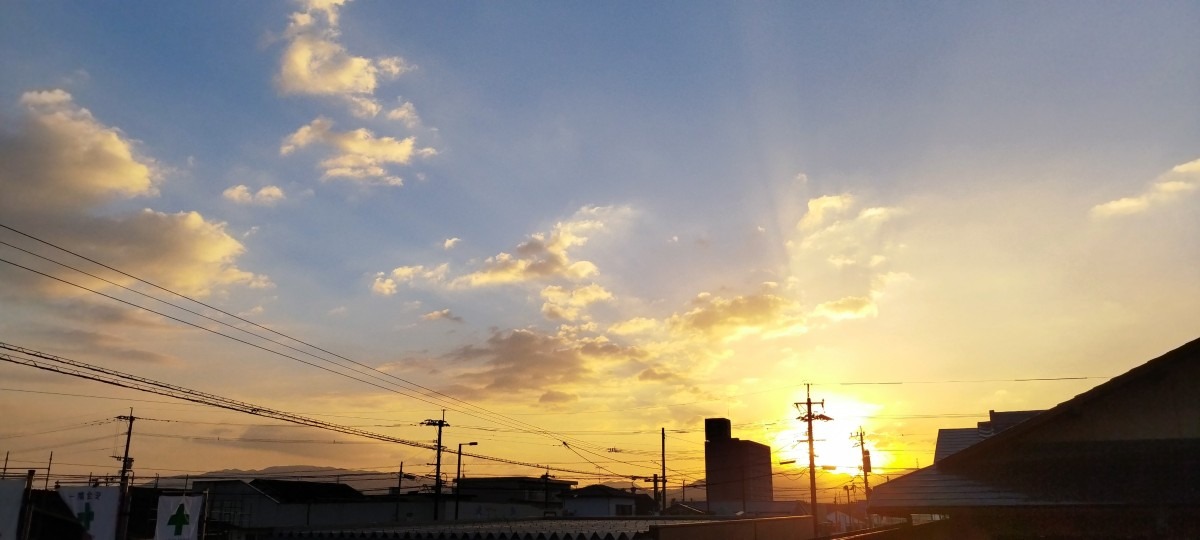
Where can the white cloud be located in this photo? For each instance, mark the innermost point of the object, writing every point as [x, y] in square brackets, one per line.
[364, 107]
[850, 307]
[546, 256]
[636, 325]
[406, 113]
[725, 319]
[436, 274]
[1176, 183]
[441, 315]
[357, 155]
[823, 208]
[314, 62]
[567, 304]
[265, 196]
[383, 285]
[387, 283]
[394, 66]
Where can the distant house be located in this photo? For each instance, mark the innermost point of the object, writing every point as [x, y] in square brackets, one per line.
[1121, 460]
[270, 504]
[542, 494]
[604, 501]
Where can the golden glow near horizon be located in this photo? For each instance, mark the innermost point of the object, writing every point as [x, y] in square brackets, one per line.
[582, 243]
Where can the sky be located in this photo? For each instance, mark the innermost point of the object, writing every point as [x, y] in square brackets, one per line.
[583, 223]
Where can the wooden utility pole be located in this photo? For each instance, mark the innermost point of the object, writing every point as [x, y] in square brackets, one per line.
[437, 476]
[23, 530]
[808, 416]
[664, 470]
[866, 463]
[126, 465]
[49, 464]
[399, 490]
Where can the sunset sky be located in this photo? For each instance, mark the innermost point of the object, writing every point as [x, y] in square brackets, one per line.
[595, 219]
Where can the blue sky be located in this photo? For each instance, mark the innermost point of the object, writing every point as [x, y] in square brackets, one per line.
[666, 211]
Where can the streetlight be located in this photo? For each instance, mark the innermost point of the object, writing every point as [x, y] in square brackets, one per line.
[458, 479]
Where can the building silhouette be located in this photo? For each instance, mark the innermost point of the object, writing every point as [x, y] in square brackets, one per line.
[737, 472]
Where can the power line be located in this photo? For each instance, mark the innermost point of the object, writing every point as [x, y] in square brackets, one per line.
[68, 428]
[427, 392]
[83, 370]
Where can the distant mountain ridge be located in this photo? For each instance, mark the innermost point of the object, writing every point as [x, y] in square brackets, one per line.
[368, 482]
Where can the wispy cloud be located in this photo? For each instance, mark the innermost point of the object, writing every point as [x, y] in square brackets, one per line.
[441, 315]
[821, 209]
[265, 196]
[357, 155]
[546, 256]
[716, 318]
[1178, 182]
[385, 283]
[407, 114]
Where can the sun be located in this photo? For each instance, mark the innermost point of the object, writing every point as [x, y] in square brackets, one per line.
[836, 443]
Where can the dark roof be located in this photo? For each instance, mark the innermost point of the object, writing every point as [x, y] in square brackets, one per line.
[681, 509]
[494, 480]
[1189, 353]
[1026, 465]
[1003, 420]
[294, 491]
[955, 440]
[600, 491]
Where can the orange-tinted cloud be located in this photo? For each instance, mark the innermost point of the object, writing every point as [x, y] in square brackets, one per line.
[62, 166]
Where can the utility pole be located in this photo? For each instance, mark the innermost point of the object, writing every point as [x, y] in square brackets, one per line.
[808, 416]
[48, 465]
[664, 470]
[126, 465]
[657, 497]
[23, 528]
[546, 493]
[399, 490]
[437, 475]
[866, 463]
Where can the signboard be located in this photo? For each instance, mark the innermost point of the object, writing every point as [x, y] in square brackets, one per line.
[96, 508]
[179, 517]
[11, 492]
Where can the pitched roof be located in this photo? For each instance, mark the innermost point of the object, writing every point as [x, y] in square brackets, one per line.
[600, 491]
[1187, 355]
[294, 491]
[1036, 462]
[954, 440]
